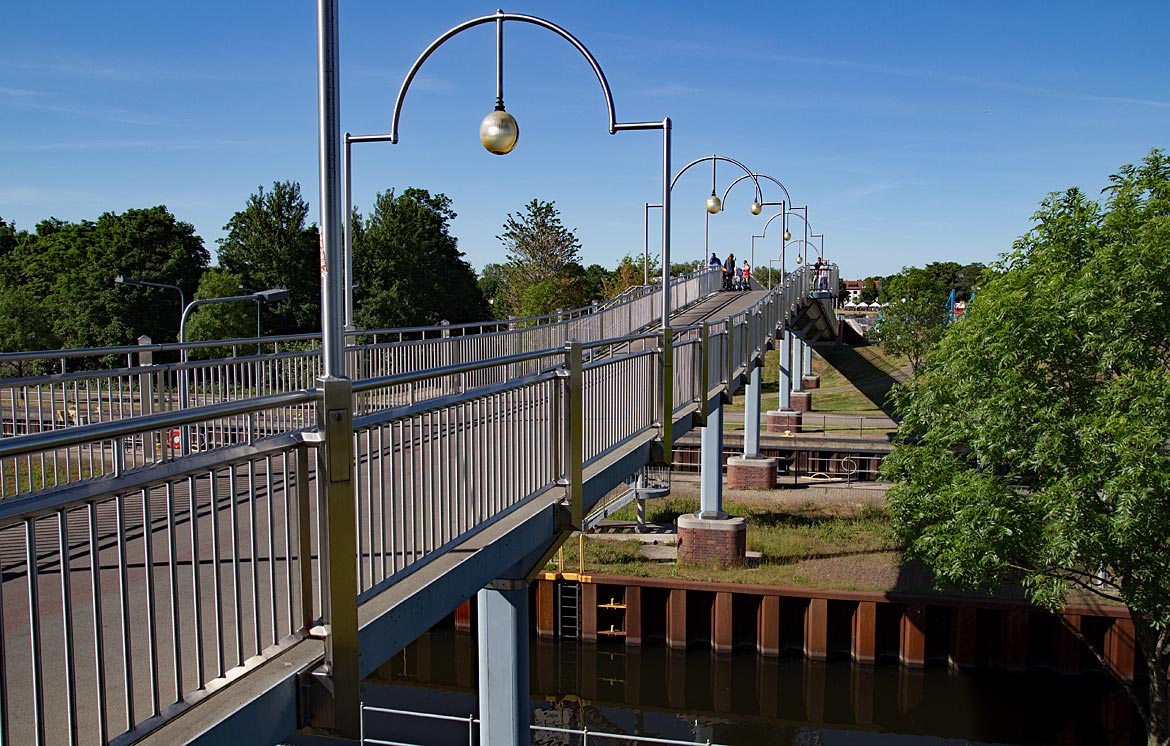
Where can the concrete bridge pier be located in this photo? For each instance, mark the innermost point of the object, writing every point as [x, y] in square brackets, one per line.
[503, 663]
[752, 471]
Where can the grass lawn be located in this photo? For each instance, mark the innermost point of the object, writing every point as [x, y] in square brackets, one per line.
[847, 544]
[854, 380]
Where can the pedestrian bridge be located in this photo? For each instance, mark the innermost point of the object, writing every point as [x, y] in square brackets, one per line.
[187, 573]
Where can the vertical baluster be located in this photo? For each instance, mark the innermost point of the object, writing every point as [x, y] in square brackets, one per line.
[34, 621]
[196, 582]
[99, 645]
[67, 627]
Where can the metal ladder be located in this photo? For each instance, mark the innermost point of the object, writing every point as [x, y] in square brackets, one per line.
[569, 609]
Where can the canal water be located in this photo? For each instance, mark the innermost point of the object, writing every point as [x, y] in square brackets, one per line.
[743, 698]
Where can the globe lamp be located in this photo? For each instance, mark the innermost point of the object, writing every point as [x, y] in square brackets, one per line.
[499, 132]
[714, 205]
[756, 208]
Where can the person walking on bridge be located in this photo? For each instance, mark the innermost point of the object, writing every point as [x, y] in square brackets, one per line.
[729, 271]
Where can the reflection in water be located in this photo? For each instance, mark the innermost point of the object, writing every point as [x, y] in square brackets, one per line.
[747, 699]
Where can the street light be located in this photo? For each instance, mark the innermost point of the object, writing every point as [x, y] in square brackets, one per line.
[120, 280]
[757, 207]
[498, 133]
[260, 296]
[713, 206]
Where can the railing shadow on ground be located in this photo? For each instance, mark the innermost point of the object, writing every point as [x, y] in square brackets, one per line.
[873, 382]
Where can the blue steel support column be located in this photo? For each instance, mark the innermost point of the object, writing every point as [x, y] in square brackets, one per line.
[751, 414]
[785, 371]
[711, 465]
[503, 664]
[807, 367]
[797, 369]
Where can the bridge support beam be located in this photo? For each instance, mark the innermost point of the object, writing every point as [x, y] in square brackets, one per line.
[751, 413]
[503, 663]
[711, 465]
[784, 419]
[752, 471]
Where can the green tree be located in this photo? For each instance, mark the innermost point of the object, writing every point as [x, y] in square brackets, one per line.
[1034, 446]
[73, 265]
[870, 291]
[233, 320]
[409, 265]
[629, 273]
[914, 314]
[26, 323]
[543, 272]
[269, 245]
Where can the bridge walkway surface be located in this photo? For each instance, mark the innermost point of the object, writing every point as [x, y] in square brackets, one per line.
[154, 593]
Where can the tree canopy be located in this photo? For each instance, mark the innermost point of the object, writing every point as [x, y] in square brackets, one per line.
[269, 245]
[408, 265]
[543, 271]
[1035, 445]
[71, 266]
[234, 320]
[914, 315]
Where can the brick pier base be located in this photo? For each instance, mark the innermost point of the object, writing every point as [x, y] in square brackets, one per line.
[810, 382]
[800, 401]
[781, 421]
[751, 473]
[711, 542]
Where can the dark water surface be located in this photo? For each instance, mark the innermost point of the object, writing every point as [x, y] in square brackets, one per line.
[748, 699]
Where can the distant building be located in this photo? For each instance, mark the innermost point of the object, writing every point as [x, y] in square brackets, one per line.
[856, 287]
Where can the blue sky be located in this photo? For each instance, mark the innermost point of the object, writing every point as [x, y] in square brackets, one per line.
[914, 132]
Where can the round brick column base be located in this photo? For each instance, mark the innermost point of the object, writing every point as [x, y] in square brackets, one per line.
[711, 542]
[756, 473]
[800, 401]
[810, 382]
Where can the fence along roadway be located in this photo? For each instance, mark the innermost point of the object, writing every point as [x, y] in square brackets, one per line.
[128, 599]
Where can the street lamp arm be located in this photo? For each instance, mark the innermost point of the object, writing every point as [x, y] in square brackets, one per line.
[716, 158]
[781, 214]
[499, 18]
[756, 178]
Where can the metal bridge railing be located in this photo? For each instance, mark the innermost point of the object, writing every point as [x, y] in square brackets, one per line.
[65, 400]
[471, 724]
[156, 579]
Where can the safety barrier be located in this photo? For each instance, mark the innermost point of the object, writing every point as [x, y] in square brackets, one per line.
[151, 577]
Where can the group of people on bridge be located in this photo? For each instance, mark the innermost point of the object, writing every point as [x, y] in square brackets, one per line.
[733, 279]
[741, 279]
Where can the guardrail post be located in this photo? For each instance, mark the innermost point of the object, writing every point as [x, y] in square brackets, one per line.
[667, 394]
[575, 429]
[335, 480]
[704, 371]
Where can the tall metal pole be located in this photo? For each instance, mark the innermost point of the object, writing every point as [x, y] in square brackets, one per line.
[335, 407]
[346, 220]
[329, 137]
[646, 243]
[667, 334]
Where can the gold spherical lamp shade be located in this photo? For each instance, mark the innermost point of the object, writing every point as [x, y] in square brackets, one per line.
[799, 260]
[714, 204]
[499, 132]
[787, 236]
[756, 208]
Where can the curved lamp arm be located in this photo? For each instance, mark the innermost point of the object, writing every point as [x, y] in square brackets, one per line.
[499, 18]
[714, 159]
[756, 178]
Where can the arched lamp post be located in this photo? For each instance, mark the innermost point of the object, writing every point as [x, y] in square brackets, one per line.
[499, 133]
[757, 207]
[713, 205]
